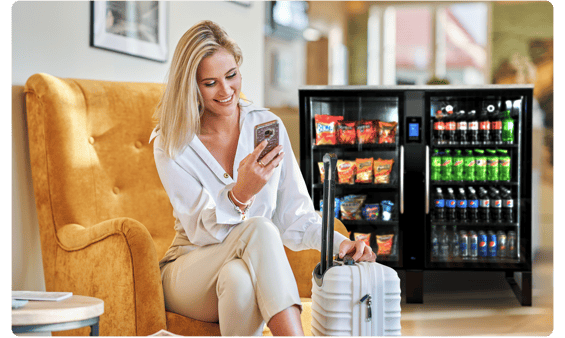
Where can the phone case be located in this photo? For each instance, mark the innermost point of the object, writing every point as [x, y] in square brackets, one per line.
[267, 131]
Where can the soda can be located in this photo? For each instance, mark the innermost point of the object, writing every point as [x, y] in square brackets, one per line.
[483, 244]
[501, 244]
[512, 243]
[464, 244]
[492, 244]
[473, 244]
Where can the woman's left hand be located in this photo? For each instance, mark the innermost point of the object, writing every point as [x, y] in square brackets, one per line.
[358, 250]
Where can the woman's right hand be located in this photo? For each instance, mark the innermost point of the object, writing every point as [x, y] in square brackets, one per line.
[252, 175]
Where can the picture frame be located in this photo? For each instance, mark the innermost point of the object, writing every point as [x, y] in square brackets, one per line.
[136, 28]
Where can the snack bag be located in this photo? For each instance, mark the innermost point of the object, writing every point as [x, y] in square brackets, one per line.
[387, 131]
[347, 132]
[346, 172]
[326, 129]
[381, 170]
[365, 237]
[384, 242]
[367, 132]
[371, 212]
[387, 209]
[322, 173]
[351, 207]
[364, 170]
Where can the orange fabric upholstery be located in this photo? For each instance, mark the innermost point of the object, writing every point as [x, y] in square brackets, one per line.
[104, 217]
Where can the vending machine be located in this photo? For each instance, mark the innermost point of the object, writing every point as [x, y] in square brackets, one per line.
[432, 177]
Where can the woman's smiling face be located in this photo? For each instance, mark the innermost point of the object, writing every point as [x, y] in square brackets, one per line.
[219, 82]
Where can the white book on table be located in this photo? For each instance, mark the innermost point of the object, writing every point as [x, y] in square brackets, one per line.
[41, 295]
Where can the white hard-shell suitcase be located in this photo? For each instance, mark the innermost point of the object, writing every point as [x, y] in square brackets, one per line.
[348, 298]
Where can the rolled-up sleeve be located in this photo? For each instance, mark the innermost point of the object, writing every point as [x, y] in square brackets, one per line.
[205, 219]
[295, 211]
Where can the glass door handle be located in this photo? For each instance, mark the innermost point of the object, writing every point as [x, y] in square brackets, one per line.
[427, 180]
[402, 179]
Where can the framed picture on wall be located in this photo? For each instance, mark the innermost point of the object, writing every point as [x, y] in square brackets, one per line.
[137, 28]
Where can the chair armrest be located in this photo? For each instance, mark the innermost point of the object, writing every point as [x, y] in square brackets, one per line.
[115, 261]
[303, 263]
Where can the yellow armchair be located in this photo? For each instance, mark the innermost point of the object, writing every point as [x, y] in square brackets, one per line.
[104, 217]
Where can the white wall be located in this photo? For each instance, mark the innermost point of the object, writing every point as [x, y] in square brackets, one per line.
[53, 37]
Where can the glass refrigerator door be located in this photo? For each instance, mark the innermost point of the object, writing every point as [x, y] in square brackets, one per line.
[362, 130]
[475, 156]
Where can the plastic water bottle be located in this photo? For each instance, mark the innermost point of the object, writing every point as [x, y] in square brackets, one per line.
[444, 243]
[455, 249]
[435, 242]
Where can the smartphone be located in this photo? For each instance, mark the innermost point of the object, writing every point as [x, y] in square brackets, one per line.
[267, 131]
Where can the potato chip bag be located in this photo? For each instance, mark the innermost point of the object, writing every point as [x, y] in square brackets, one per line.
[365, 237]
[381, 170]
[321, 166]
[384, 242]
[387, 131]
[346, 172]
[347, 132]
[366, 132]
[364, 170]
[326, 129]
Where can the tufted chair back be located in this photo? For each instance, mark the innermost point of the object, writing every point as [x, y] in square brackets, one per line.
[99, 164]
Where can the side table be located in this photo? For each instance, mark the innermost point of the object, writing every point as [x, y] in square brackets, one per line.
[46, 316]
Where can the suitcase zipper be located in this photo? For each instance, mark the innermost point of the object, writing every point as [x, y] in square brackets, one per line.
[368, 298]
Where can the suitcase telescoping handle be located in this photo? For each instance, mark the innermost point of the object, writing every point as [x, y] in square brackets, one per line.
[330, 161]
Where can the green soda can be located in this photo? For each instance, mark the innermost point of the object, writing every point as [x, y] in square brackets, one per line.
[458, 166]
[480, 165]
[436, 166]
[469, 166]
[507, 128]
[447, 166]
[492, 166]
[503, 165]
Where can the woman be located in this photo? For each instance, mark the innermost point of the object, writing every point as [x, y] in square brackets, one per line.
[234, 211]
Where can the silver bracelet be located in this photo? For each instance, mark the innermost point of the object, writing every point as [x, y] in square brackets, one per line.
[237, 208]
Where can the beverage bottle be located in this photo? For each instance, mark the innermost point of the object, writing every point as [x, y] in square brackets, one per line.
[484, 127]
[501, 244]
[473, 127]
[484, 205]
[474, 244]
[507, 205]
[447, 166]
[435, 242]
[492, 166]
[483, 244]
[444, 243]
[472, 205]
[495, 126]
[462, 205]
[458, 166]
[464, 244]
[507, 128]
[451, 203]
[439, 203]
[462, 127]
[439, 128]
[503, 165]
[511, 250]
[495, 205]
[480, 165]
[450, 125]
[455, 243]
[492, 244]
[436, 166]
[469, 166]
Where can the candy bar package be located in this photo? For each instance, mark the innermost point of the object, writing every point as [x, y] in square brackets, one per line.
[367, 132]
[387, 132]
[381, 170]
[346, 172]
[347, 132]
[326, 129]
[364, 170]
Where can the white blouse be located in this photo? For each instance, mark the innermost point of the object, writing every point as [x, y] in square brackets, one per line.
[197, 187]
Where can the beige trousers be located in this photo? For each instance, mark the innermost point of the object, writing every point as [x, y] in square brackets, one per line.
[240, 283]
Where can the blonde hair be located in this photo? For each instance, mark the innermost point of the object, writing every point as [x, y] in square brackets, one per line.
[181, 106]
